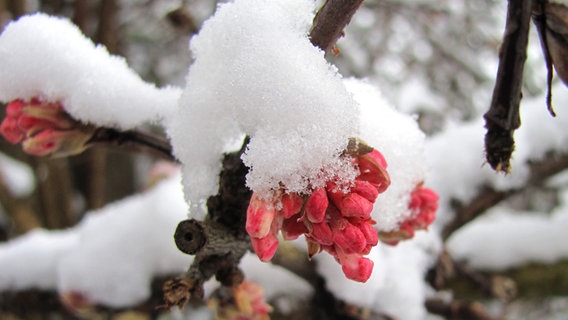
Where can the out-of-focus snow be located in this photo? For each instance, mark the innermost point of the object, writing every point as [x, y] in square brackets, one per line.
[398, 138]
[396, 286]
[17, 176]
[504, 238]
[48, 57]
[111, 257]
[256, 73]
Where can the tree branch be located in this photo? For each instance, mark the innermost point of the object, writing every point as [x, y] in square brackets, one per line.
[330, 21]
[540, 171]
[503, 118]
[133, 140]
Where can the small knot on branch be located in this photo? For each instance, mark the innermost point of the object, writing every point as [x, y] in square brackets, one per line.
[190, 236]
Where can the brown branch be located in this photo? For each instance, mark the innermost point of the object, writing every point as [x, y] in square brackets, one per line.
[462, 310]
[133, 140]
[503, 118]
[540, 171]
[330, 21]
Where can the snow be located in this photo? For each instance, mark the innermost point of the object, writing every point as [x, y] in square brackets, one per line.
[396, 286]
[48, 57]
[398, 138]
[110, 257]
[523, 237]
[17, 176]
[264, 79]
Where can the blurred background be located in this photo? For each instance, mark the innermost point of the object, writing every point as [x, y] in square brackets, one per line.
[436, 59]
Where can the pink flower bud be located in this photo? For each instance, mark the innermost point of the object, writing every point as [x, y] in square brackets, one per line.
[316, 206]
[405, 231]
[351, 204]
[291, 204]
[249, 299]
[350, 239]
[321, 233]
[356, 267]
[59, 143]
[260, 214]
[44, 128]
[370, 234]
[373, 166]
[425, 201]
[265, 247]
[293, 227]
[366, 190]
[11, 131]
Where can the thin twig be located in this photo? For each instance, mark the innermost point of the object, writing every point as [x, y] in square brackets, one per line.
[503, 118]
[540, 171]
[133, 140]
[330, 21]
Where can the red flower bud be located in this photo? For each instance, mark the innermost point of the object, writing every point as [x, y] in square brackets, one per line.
[356, 267]
[291, 204]
[44, 128]
[321, 233]
[293, 227]
[316, 206]
[350, 239]
[373, 167]
[260, 214]
[265, 247]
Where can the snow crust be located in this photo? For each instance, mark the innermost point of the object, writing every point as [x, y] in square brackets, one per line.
[397, 136]
[110, 257]
[48, 57]
[523, 237]
[256, 73]
[396, 286]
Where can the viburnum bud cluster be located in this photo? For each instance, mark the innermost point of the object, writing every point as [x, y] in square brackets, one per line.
[332, 218]
[423, 204]
[44, 128]
[244, 302]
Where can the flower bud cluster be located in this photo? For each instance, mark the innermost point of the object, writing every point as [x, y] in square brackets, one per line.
[244, 302]
[332, 218]
[43, 128]
[423, 204]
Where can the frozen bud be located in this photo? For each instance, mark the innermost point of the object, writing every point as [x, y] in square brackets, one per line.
[366, 190]
[291, 204]
[242, 302]
[425, 202]
[370, 234]
[373, 167]
[10, 130]
[265, 247]
[59, 143]
[260, 214]
[316, 206]
[77, 303]
[250, 300]
[293, 227]
[356, 267]
[321, 233]
[350, 239]
[44, 128]
[351, 204]
[405, 231]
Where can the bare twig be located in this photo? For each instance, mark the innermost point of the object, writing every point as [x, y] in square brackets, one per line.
[458, 310]
[133, 140]
[503, 118]
[489, 197]
[330, 21]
